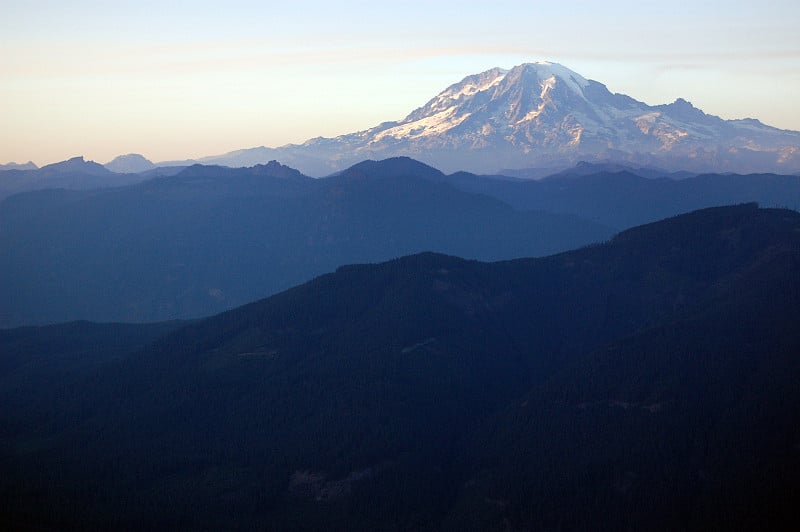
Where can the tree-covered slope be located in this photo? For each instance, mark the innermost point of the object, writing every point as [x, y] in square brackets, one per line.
[645, 383]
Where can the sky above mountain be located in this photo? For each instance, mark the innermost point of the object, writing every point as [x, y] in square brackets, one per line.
[176, 80]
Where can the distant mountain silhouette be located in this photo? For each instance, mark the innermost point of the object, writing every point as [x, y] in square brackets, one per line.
[588, 168]
[72, 174]
[622, 199]
[17, 166]
[133, 163]
[648, 383]
[76, 165]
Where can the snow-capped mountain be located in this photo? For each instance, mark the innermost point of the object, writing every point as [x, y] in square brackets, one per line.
[543, 114]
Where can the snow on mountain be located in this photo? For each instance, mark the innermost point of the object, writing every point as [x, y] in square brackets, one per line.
[544, 114]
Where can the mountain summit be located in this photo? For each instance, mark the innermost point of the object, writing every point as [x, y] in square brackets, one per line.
[132, 163]
[544, 114]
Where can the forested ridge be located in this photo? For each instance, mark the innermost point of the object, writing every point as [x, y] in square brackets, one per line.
[644, 383]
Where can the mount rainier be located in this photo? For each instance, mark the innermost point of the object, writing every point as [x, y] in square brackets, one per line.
[545, 115]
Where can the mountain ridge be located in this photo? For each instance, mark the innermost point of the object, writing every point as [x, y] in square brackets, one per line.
[212, 237]
[75, 173]
[645, 383]
[18, 166]
[192, 241]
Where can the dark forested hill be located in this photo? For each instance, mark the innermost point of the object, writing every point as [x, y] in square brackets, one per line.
[211, 238]
[645, 383]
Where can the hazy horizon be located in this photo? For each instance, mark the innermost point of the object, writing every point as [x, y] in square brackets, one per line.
[172, 82]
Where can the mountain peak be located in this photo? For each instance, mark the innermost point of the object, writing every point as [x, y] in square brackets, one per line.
[275, 169]
[393, 167]
[132, 163]
[76, 164]
[684, 110]
[546, 70]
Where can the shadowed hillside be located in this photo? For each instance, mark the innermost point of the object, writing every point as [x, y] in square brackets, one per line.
[645, 383]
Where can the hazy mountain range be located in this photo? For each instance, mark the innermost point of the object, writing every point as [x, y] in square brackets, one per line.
[209, 238]
[72, 174]
[648, 383]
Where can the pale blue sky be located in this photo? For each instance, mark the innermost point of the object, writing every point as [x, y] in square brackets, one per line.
[180, 79]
